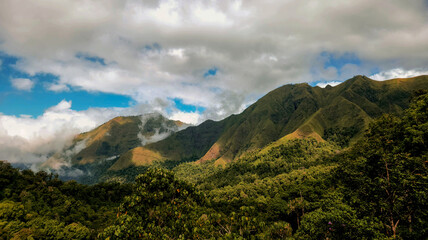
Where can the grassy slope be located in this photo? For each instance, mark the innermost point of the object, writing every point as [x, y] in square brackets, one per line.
[110, 139]
[308, 110]
[113, 139]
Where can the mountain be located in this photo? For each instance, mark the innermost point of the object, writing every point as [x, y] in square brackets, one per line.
[114, 138]
[126, 146]
[339, 113]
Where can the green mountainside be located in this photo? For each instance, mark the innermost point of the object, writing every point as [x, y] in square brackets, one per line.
[100, 148]
[124, 147]
[339, 113]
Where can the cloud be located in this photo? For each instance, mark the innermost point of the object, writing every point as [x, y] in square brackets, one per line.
[186, 117]
[60, 107]
[32, 140]
[159, 133]
[57, 87]
[24, 84]
[325, 84]
[161, 49]
[398, 73]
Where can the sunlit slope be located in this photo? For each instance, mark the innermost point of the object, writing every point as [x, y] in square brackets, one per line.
[296, 111]
[111, 140]
[108, 140]
[138, 156]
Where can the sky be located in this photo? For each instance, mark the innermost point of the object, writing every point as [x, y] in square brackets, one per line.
[67, 66]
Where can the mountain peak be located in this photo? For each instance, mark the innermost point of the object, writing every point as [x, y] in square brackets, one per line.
[293, 110]
[114, 138]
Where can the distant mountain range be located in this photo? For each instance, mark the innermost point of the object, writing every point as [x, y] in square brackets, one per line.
[339, 114]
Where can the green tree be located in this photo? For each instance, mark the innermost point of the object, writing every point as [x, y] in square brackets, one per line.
[334, 219]
[161, 207]
[385, 175]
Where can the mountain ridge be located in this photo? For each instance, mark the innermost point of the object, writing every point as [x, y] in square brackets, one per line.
[339, 114]
[304, 111]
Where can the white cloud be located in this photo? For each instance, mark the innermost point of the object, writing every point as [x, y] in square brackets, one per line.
[324, 84]
[186, 117]
[55, 87]
[398, 73]
[31, 140]
[24, 84]
[161, 49]
[60, 107]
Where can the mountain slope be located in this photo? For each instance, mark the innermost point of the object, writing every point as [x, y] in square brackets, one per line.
[114, 138]
[340, 112]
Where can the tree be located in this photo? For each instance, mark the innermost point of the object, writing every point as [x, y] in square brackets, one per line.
[161, 207]
[386, 173]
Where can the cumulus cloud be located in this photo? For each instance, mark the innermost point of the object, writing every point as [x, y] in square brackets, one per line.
[398, 73]
[161, 49]
[24, 84]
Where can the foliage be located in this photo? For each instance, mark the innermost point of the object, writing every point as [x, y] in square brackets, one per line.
[40, 206]
[341, 136]
[385, 175]
[334, 219]
[163, 207]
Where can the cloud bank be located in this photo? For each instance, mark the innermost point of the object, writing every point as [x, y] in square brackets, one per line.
[29, 140]
[398, 73]
[219, 55]
[163, 49]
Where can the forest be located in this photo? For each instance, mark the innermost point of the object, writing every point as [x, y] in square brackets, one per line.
[375, 188]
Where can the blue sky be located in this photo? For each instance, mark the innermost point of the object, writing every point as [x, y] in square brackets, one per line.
[333, 68]
[34, 102]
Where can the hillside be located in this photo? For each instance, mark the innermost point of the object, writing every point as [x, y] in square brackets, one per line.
[339, 113]
[114, 138]
[126, 146]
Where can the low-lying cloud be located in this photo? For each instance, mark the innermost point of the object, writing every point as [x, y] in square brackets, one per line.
[31, 140]
[325, 84]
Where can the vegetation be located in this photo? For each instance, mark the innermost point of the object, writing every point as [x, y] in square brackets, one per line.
[295, 189]
[337, 114]
[340, 114]
[40, 206]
